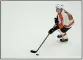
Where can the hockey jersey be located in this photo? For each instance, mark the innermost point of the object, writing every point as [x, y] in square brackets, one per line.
[65, 19]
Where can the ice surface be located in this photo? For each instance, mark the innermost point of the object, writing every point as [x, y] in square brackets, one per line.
[24, 25]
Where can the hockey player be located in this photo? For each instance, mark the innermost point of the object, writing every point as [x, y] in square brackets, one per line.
[63, 22]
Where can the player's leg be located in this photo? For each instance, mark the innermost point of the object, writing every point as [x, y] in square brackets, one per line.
[60, 35]
[64, 37]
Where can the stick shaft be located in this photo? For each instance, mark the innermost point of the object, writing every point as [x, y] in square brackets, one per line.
[43, 42]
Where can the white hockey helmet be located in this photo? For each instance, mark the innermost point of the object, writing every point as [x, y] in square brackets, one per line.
[60, 6]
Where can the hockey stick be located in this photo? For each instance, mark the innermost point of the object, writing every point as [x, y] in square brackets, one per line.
[32, 51]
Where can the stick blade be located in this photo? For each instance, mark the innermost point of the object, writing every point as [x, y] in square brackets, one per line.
[32, 51]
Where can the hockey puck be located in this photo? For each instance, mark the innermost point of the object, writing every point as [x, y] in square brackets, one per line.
[37, 54]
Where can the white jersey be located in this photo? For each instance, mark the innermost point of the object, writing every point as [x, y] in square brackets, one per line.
[65, 19]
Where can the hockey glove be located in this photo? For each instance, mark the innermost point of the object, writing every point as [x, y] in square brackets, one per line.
[51, 30]
[56, 21]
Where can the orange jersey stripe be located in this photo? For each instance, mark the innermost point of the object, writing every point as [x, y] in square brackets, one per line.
[60, 16]
[61, 20]
[70, 24]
